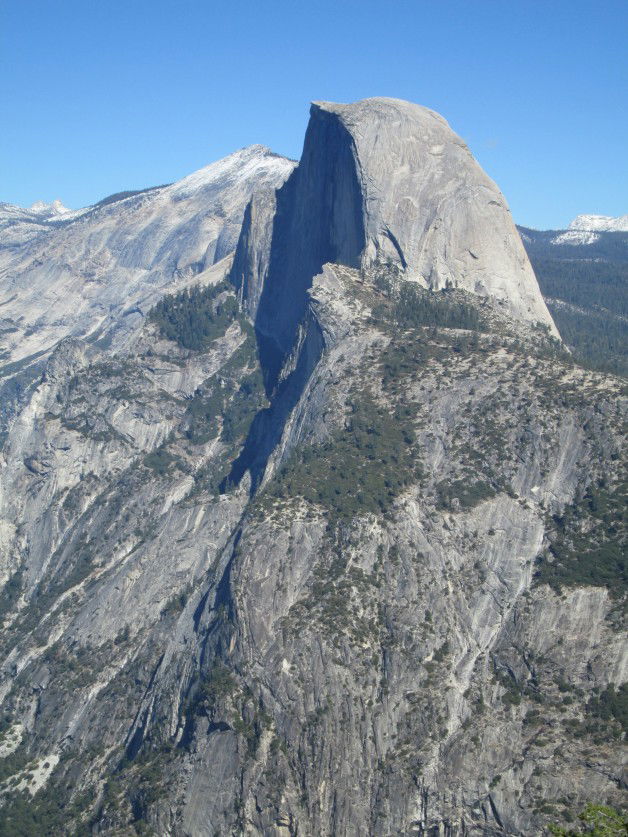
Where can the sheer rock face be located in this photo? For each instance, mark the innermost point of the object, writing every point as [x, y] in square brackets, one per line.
[318, 219]
[384, 180]
[250, 264]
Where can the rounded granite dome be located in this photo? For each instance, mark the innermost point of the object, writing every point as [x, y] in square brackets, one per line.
[428, 205]
[383, 107]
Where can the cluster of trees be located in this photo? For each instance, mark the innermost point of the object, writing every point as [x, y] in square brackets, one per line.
[611, 704]
[11, 592]
[588, 543]
[418, 307]
[598, 339]
[596, 821]
[196, 316]
[362, 468]
[48, 814]
[593, 279]
[412, 306]
[587, 284]
[467, 492]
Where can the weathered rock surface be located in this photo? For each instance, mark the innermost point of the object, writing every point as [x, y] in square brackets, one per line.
[315, 609]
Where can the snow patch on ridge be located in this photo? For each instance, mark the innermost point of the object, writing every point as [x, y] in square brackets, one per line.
[576, 237]
[249, 162]
[49, 210]
[585, 229]
[600, 223]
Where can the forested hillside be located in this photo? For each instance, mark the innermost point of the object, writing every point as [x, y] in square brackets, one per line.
[586, 289]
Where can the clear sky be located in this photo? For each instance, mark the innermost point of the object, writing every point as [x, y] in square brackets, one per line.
[100, 96]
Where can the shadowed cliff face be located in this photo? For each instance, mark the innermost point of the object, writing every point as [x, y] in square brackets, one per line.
[315, 218]
[318, 219]
[269, 424]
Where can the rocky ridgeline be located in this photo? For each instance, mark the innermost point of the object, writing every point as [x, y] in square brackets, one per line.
[325, 540]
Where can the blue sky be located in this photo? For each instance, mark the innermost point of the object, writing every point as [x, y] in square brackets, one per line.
[100, 96]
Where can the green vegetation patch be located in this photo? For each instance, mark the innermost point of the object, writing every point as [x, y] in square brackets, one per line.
[160, 461]
[405, 356]
[599, 340]
[230, 402]
[196, 316]
[11, 593]
[410, 306]
[235, 397]
[48, 814]
[203, 411]
[416, 306]
[610, 704]
[596, 821]
[134, 786]
[216, 685]
[242, 408]
[464, 493]
[362, 468]
[595, 289]
[588, 543]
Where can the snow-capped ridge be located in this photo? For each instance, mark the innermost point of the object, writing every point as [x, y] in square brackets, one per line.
[49, 210]
[236, 167]
[600, 223]
[576, 237]
[76, 273]
[586, 229]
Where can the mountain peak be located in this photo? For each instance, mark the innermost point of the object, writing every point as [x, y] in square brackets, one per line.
[49, 210]
[600, 223]
[239, 167]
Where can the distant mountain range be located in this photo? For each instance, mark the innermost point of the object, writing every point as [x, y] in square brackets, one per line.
[600, 223]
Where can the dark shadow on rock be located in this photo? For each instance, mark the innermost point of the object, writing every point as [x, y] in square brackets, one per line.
[268, 425]
[318, 219]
